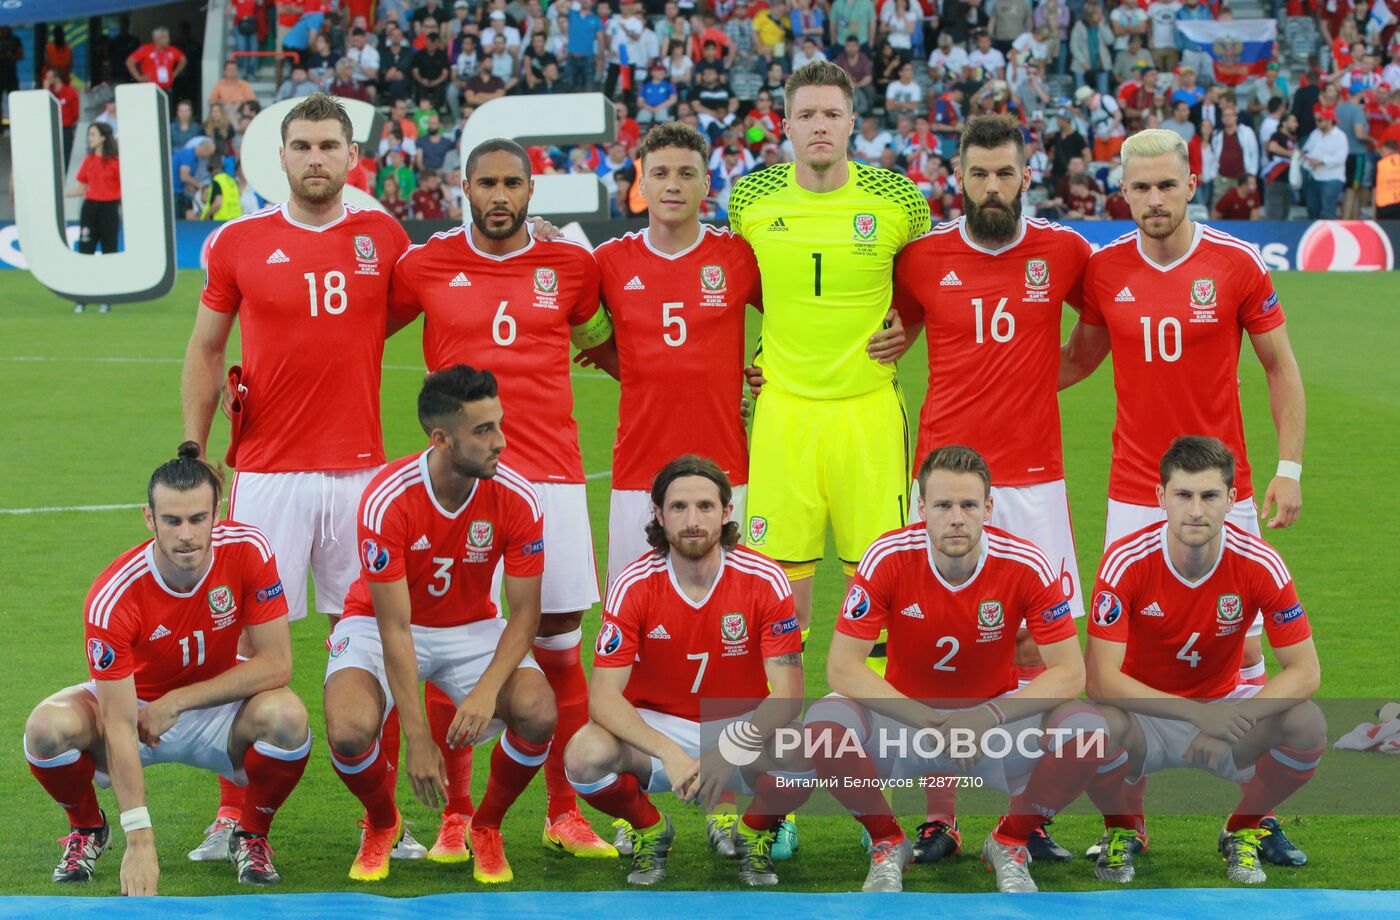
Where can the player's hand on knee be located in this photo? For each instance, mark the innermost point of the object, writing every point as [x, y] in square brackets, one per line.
[1205, 752]
[753, 376]
[472, 718]
[140, 868]
[1285, 498]
[683, 771]
[711, 777]
[154, 720]
[427, 771]
[1223, 721]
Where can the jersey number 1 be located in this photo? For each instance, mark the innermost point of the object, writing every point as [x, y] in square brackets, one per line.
[817, 275]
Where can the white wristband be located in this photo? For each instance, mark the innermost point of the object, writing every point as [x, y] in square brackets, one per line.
[1290, 470]
[135, 819]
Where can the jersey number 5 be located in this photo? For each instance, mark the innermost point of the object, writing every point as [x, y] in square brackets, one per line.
[333, 299]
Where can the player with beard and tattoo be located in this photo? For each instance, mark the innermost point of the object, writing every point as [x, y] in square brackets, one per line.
[494, 295]
[308, 281]
[989, 288]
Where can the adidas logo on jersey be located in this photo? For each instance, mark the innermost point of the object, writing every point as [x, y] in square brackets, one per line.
[951, 280]
[277, 258]
[1152, 610]
[659, 632]
[635, 284]
[913, 611]
[1125, 296]
[459, 281]
[778, 226]
[160, 633]
[421, 543]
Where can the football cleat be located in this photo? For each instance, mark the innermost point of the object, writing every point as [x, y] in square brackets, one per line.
[1139, 845]
[251, 855]
[1114, 862]
[650, 848]
[1277, 848]
[1240, 850]
[408, 846]
[1011, 864]
[215, 846]
[491, 867]
[755, 852]
[622, 841]
[372, 861]
[719, 829]
[571, 833]
[451, 845]
[786, 843]
[81, 848]
[1043, 847]
[936, 840]
[888, 860]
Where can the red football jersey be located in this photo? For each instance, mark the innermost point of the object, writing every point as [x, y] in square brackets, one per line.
[137, 624]
[1175, 332]
[954, 643]
[511, 315]
[1187, 639]
[679, 323]
[993, 325]
[312, 303]
[698, 661]
[447, 558]
[157, 65]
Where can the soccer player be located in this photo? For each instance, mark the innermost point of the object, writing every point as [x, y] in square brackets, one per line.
[1173, 300]
[697, 633]
[494, 295]
[951, 593]
[829, 431]
[307, 279]
[990, 287]
[432, 528]
[1170, 608]
[162, 626]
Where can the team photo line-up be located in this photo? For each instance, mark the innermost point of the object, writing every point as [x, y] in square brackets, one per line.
[962, 576]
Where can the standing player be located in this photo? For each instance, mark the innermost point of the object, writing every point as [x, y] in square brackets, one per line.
[1165, 640]
[307, 279]
[951, 593]
[493, 295]
[163, 624]
[433, 526]
[830, 437]
[990, 287]
[698, 630]
[1173, 300]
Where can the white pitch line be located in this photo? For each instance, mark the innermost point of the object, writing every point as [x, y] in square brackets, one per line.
[36, 359]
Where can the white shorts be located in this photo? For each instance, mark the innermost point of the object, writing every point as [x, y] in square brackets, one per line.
[570, 580]
[899, 755]
[1167, 740]
[1038, 513]
[310, 519]
[1124, 519]
[628, 513]
[199, 738]
[452, 657]
[687, 735]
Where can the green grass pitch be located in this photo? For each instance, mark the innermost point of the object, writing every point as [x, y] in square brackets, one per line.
[91, 404]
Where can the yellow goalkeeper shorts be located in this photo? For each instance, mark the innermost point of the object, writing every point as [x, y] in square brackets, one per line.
[814, 459]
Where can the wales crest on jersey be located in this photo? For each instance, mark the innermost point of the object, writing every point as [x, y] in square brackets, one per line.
[364, 248]
[546, 281]
[712, 278]
[1037, 274]
[1203, 292]
[733, 627]
[220, 600]
[864, 225]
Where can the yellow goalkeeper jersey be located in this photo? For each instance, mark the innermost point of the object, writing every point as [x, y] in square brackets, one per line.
[827, 261]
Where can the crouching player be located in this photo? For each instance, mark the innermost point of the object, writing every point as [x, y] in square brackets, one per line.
[432, 528]
[162, 625]
[1170, 611]
[694, 633]
[952, 593]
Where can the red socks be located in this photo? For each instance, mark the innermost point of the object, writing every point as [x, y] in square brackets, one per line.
[864, 800]
[514, 763]
[772, 803]
[1119, 801]
[1278, 773]
[368, 777]
[441, 712]
[941, 802]
[231, 796]
[564, 670]
[1059, 777]
[620, 795]
[390, 738]
[67, 777]
[273, 773]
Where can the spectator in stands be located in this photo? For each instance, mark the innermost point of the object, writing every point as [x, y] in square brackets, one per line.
[731, 168]
[1388, 182]
[499, 24]
[503, 62]
[1187, 90]
[190, 174]
[533, 59]
[100, 186]
[860, 69]
[1201, 153]
[742, 41]
[987, 57]
[947, 62]
[428, 201]
[1236, 150]
[1105, 121]
[1055, 16]
[657, 97]
[551, 81]
[1240, 202]
[391, 196]
[1180, 122]
[808, 21]
[219, 129]
[902, 28]
[157, 61]
[581, 71]
[430, 71]
[433, 146]
[1091, 49]
[1031, 94]
[68, 107]
[773, 82]
[119, 47]
[485, 86]
[1127, 20]
[714, 104]
[320, 61]
[396, 65]
[679, 66]
[231, 89]
[184, 128]
[870, 141]
[58, 54]
[808, 51]
[1083, 199]
[772, 28]
[1352, 123]
[224, 198]
[1008, 19]
[1161, 34]
[1131, 61]
[852, 19]
[887, 64]
[1268, 126]
[344, 83]
[1193, 10]
[364, 62]
[296, 86]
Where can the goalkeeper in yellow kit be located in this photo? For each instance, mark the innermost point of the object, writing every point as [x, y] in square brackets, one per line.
[830, 436]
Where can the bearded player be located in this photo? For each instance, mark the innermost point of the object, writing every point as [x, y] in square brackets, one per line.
[697, 633]
[167, 686]
[1174, 300]
[433, 526]
[306, 279]
[990, 287]
[1169, 613]
[494, 295]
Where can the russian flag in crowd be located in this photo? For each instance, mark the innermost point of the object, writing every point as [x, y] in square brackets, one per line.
[1240, 48]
